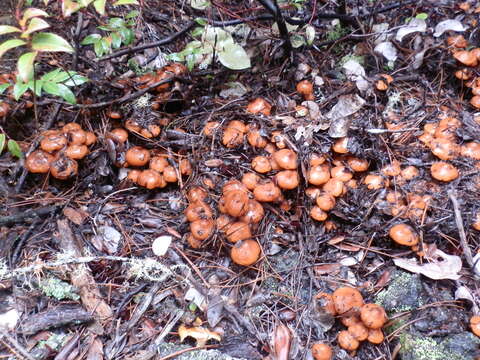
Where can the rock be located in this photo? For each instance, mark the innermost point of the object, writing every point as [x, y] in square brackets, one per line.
[404, 293]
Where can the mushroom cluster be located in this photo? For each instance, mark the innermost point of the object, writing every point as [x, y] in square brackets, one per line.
[470, 59]
[331, 179]
[60, 150]
[148, 128]
[200, 216]
[363, 321]
[163, 90]
[240, 216]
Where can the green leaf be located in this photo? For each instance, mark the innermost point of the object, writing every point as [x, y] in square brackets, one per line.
[91, 39]
[60, 90]
[10, 44]
[7, 29]
[4, 87]
[310, 34]
[69, 7]
[36, 86]
[99, 6]
[132, 14]
[201, 21]
[50, 42]
[198, 31]
[25, 66]
[98, 48]
[76, 80]
[234, 57]
[30, 13]
[35, 25]
[116, 23]
[422, 16]
[56, 75]
[199, 4]
[2, 142]
[14, 149]
[116, 40]
[85, 3]
[126, 2]
[19, 89]
[127, 35]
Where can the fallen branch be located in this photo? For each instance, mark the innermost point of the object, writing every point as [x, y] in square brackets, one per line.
[461, 230]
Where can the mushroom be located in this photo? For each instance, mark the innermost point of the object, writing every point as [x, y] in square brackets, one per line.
[223, 222]
[202, 229]
[76, 152]
[236, 203]
[359, 331]
[250, 180]
[326, 201]
[346, 299]
[211, 128]
[347, 341]
[373, 316]
[443, 171]
[261, 164]
[475, 101]
[196, 193]
[246, 252]
[232, 185]
[149, 179]
[475, 324]
[318, 214]
[287, 179]
[158, 163]
[185, 167]
[71, 127]
[232, 138]
[444, 149]
[286, 159]
[318, 174]
[198, 210]
[334, 187]
[259, 105]
[341, 146]
[133, 175]
[255, 139]
[467, 58]
[63, 167]
[53, 141]
[375, 336]
[409, 173]
[305, 88]
[90, 138]
[374, 182]
[137, 156]
[324, 301]
[403, 234]
[267, 192]
[457, 41]
[254, 213]
[76, 137]
[170, 174]
[238, 231]
[316, 159]
[38, 162]
[119, 135]
[341, 173]
[322, 351]
[392, 169]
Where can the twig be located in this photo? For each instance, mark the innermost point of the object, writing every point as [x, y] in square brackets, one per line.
[274, 9]
[29, 214]
[10, 340]
[461, 229]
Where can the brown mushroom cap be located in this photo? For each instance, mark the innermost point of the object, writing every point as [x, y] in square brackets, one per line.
[403, 234]
[158, 163]
[137, 156]
[250, 180]
[211, 128]
[373, 316]
[223, 222]
[236, 202]
[475, 324]
[196, 193]
[149, 179]
[375, 336]
[170, 174]
[359, 331]
[71, 127]
[467, 58]
[232, 185]
[334, 187]
[374, 182]
[318, 174]
[444, 149]
[286, 159]
[321, 351]
[246, 252]
[198, 210]
[238, 231]
[53, 141]
[76, 152]
[76, 137]
[305, 88]
[471, 149]
[267, 192]
[254, 213]
[341, 146]
[259, 105]
[38, 162]
[341, 173]
[346, 299]
[318, 214]
[119, 135]
[133, 175]
[261, 164]
[326, 201]
[202, 229]
[63, 167]
[324, 302]
[347, 341]
[475, 101]
[90, 138]
[232, 138]
[287, 179]
[185, 167]
[443, 171]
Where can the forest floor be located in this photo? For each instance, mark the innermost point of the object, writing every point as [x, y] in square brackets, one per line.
[96, 266]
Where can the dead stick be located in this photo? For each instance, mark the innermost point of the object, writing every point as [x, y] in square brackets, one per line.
[461, 229]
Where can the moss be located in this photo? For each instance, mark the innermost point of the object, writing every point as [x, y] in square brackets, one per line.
[166, 349]
[358, 58]
[58, 289]
[425, 348]
[404, 293]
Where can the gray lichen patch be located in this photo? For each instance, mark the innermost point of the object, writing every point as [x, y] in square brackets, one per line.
[404, 293]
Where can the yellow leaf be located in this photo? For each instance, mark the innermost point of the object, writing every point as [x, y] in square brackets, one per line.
[200, 334]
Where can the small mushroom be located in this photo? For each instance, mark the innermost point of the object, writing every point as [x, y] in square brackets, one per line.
[443, 171]
[198, 210]
[373, 316]
[286, 159]
[236, 203]
[158, 163]
[346, 299]
[347, 341]
[375, 336]
[287, 179]
[63, 167]
[119, 135]
[238, 231]
[76, 152]
[246, 252]
[326, 201]
[261, 164]
[38, 162]
[318, 174]
[149, 179]
[403, 234]
[196, 193]
[359, 331]
[202, 229]
[267, 192]
[259, 106]
[305, 88]
[318, 214]
[341, 146]
[322, 351]
[467, 58]
[254, 213]
[137, 156]
[475, 324]
[250, 180]
[53, 141]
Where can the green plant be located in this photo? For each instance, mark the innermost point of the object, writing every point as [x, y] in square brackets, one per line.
[119, 33]
[28, 26]
[70, 6]
[12, 146]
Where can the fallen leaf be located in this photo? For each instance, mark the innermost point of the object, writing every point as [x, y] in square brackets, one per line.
[75, 216]
[354, 71]
[281, 342]
[161, 244]
[414, 25]
[448, 25]
[447, 268]
[200, 334]
[387, 50]
[339, 123]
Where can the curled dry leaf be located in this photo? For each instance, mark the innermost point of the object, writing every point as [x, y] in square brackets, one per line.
[386, 49]
[282, 338]
[447, 268]
[414, 25]
[200, 334]
[448, 25]
[347, 105]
